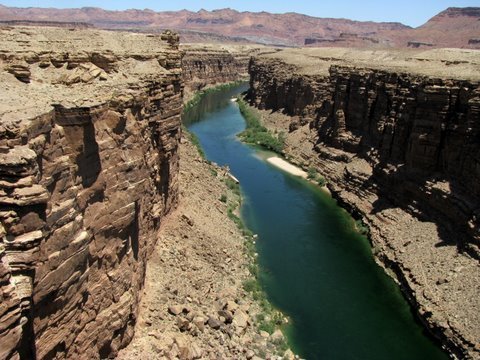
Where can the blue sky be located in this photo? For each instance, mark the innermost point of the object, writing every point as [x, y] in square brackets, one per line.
[409, 12]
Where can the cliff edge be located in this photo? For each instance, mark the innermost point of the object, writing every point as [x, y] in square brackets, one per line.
[396, 135]
[90, 124]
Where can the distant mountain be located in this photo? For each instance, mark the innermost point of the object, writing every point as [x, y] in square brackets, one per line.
[457, 27]
[454, 27]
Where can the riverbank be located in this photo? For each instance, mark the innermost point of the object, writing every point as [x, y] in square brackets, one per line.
[197, 301]
[286, 166]
[440, 284]
[194, 304]
[192, 98]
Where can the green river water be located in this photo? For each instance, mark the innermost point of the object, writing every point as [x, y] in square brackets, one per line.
[314, 266]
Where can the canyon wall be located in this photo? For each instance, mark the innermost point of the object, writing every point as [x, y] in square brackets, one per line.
[208, 65]
[205, 66]
[90, 124]
[401, 150]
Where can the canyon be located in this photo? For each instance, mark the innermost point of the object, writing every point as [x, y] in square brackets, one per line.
[453, 27]
[205, 65]
[92, 184]
[395, 134]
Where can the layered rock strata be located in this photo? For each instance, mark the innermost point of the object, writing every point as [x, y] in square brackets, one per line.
[204, 66]
[208, 64]
[399, 146]
[88, 169]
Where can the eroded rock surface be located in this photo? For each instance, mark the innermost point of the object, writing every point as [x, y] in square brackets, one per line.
[400, 148]
[89, 131]
[208, 65]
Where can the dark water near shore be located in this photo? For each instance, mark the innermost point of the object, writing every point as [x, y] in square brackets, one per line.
[314, 266]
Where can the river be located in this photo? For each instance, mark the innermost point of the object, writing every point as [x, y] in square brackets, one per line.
[314, 266]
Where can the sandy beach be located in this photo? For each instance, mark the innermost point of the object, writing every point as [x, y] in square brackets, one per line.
[286, 166]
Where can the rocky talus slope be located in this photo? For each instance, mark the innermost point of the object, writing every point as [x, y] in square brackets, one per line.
[396, 134]
[89, 132]
[194, 306]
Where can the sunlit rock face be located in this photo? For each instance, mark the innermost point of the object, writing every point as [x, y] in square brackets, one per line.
[398, 141]
[90, 125]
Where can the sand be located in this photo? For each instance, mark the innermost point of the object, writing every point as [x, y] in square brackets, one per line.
[286, 166]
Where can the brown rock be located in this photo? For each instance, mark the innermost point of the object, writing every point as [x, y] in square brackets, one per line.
[241, 319]
[183, 324]
[187, 350]
[214, 323]
[188, 219]
[21, 72]
[175, 309]
[289, 355]
[83, 185]
[227, 315]
[231, 306]
[199, 322]
[277, 336]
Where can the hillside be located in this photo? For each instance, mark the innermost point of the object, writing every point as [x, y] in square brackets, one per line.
[454, 27]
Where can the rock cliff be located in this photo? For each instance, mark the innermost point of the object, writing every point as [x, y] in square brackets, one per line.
[90, 123]
[400, 148]
[207, 65]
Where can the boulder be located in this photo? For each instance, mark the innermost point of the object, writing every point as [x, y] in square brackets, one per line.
[214, 323]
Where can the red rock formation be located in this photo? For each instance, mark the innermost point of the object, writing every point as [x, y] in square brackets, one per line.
[453, 27]
[83, 187]
[71, 25]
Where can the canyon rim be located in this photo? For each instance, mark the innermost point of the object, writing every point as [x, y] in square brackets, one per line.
[102, 193]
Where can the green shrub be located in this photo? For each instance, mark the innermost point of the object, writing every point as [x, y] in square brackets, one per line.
[321, 181]
[281, 346]
[314, 176]
[311, 173]
[361, 228]
[194, 140]
[223, 198]
[232, 185]
[267, 326]
[256, 133]
[250, 285]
